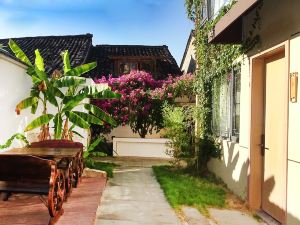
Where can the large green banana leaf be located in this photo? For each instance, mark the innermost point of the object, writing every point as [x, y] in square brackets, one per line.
[68, 81]
[27, 102]
[41, 120]
[57, 126]
[100, 114]
[41, 75]
[106, 94]
[71, 102]
[89, 118]
[66, 60]
[79, 70]
[78, 134]
[57, 92]
[35, 79]
[34, 107]
[18, 52]
[39, 61]
[94, 89]
[51, 96]
[31, 71]
[77, 120]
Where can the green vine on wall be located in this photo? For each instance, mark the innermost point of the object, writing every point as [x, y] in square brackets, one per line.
[214, 62]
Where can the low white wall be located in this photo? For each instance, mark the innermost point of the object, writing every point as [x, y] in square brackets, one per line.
[141, 147]
[126, 132]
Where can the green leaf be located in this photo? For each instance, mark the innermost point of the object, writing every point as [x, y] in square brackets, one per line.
[36, 80]
[91, 147]
[78, 134]
[73, 102]
[18, 52]
[31, 71]
[27, 102]
[41, 75]
[89, 118]
[72, 127]
[69, 81]
[106, 94]
[58, 93]
[51, 97]
[17, 136]
[34, 107]
[79, 70]
[77, 120]
[94, 144]
[39, 61]
[41, 120]
[66, 59]
[57, 126]
[100, 114]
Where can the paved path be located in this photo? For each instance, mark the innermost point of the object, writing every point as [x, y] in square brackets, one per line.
[133, 197]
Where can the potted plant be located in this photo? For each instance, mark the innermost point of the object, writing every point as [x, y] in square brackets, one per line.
[65, 90]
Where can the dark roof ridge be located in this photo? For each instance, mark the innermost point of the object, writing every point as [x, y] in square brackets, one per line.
[53, 36]
[153, 46]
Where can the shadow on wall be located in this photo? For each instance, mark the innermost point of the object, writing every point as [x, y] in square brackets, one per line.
[270, 184]
[292, 220]
[232, 168]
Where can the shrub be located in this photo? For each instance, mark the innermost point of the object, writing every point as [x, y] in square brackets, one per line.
[180, 129]
[142, 100]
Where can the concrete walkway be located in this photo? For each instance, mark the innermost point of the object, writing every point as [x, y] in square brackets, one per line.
[133, 197]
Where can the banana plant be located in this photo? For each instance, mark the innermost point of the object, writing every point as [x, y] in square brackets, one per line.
[40, 91]
[65, 90]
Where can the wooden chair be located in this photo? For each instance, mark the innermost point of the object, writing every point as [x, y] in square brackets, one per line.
[30, 174]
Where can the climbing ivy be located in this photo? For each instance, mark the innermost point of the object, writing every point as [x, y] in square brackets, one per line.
[214, 63]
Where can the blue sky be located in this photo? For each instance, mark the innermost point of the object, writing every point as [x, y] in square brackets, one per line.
[146, 22]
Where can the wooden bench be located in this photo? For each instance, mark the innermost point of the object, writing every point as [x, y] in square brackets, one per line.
[30, 174]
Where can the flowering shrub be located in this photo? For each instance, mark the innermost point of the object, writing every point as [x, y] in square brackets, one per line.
[142, 99]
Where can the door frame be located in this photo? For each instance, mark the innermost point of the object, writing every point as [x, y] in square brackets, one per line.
[257, 90]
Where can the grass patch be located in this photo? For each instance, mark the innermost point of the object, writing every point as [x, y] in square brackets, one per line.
[181, 188]
[107, 167]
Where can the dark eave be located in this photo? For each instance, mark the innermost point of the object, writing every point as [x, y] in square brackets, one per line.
[229, 30]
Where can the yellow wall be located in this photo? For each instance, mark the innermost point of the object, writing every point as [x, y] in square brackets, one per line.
[293, 195]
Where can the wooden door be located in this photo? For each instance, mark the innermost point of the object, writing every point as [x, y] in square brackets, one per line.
[273, 188]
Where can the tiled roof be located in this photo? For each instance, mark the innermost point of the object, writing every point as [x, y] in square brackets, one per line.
[105, 55]
[51, 48]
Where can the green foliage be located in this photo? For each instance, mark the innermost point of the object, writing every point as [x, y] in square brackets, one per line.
[92, 147]
[182, 189]
[107, 167]
[41, 120]
[91, 153]
[179, 128]
[215, 62]
[49, 88]
[17, 136]
[19, 53]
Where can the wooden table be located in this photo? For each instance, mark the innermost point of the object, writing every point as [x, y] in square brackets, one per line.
[68, 159]
[44, 152]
